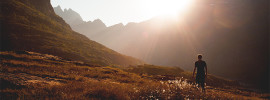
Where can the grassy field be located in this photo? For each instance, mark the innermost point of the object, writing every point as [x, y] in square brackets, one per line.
[30, 75]
[170, 73]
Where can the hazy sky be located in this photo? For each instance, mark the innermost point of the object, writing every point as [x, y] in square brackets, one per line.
[109, 11]
[122, 11]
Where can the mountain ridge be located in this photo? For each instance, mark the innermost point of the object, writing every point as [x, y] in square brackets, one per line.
[33, 26]
[69, 15]
[78, 24]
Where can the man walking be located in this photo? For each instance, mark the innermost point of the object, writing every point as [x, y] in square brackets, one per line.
[201, 67]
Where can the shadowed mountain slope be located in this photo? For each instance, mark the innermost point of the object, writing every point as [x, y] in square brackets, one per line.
[32, 25]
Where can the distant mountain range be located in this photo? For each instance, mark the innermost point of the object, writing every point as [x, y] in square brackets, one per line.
[71, 17]
[77, 24]
[233, 38]
[31, 25]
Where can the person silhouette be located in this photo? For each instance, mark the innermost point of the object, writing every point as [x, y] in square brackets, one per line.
[201, 75]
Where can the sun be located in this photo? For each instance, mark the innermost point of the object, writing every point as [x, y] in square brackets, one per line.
[165, 7]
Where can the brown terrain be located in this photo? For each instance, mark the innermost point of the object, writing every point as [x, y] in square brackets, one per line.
[30, 75]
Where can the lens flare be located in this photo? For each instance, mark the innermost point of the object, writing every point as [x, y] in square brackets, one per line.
[165, 7]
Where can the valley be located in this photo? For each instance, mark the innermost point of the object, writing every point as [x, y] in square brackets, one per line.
[48, 56]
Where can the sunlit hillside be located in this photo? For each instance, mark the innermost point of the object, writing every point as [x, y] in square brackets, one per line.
[30, 75]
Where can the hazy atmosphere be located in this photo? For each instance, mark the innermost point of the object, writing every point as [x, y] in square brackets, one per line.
[134, 50]
[122, 11]
[110, 11]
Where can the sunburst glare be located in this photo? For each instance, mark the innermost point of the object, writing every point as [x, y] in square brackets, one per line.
[165, 7]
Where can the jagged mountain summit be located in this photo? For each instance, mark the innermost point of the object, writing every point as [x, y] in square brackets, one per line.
[95, 27]
[77, 24]
[71, 17]
[31, 25]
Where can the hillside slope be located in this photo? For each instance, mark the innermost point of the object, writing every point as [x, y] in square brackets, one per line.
[31, 75]
[33, 26]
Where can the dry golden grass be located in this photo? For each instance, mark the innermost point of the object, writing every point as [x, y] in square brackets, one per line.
[40, 76]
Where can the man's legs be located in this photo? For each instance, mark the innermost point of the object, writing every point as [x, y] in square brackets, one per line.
[198, 81]
[203, 89]
[202, 84]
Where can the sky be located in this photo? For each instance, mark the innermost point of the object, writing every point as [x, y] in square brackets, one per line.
[122, 11]
[109, 11]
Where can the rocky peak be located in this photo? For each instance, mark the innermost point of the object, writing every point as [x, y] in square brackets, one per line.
[99, 23]
[58, 7]
[58, 10]
[117, 26]
[70, 16]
